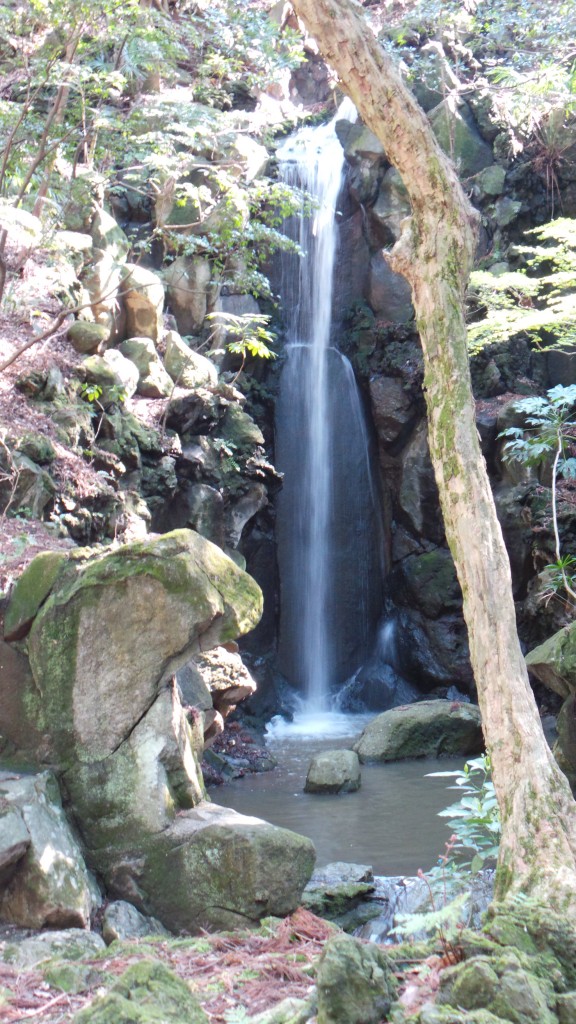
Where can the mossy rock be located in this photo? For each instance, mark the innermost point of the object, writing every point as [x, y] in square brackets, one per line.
[502, 985]
[239, 428]
[37, 448]
[31, 590]
[554, 662]
[356, 983]
[73, 977]
[147, 993]
[427, 729]
[86, 337]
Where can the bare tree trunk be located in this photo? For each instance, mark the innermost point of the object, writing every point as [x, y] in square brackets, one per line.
[435, 254]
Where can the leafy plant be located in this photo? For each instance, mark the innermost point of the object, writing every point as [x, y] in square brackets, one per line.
[472, 847]
[549, 430]
[248, 333]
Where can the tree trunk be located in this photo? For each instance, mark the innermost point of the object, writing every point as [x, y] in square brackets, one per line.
[435, 253]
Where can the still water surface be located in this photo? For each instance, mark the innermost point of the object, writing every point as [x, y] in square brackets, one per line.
[391, 823]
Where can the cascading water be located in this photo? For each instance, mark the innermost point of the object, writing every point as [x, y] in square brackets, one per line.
[329, 548]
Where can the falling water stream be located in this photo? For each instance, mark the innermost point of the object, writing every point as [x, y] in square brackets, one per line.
[328, 511]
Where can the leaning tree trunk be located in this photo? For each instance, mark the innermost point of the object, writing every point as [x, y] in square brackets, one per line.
[435, 253]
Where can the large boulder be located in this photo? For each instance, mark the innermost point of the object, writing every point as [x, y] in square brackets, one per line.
[49, 882]
[191, 292]
[187, 368]
[128, 754]
[428, 729]
[153, 380]
[454, 126]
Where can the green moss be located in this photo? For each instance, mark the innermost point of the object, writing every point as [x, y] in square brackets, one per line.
[147, 993]
[73, 977]
[31, 590]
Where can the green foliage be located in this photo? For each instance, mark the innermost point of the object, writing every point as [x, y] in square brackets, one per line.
[248, 332]
[537, 301]
[548, 432]
[475, 819]
[445, 921]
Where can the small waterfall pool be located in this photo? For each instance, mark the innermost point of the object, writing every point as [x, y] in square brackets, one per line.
[391, 823]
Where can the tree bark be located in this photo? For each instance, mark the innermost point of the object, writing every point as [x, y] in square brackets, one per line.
[435, 253]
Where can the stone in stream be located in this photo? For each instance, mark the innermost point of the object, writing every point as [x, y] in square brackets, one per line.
[429, 729]
[333, 771]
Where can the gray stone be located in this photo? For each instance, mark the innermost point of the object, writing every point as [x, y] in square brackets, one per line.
[454, 126]
[29, 593]
[554, 662]
[123, 922]
[86, 337]
[69, 944]
[191, 292]
[14, 841]
[242, 510]
[187, 368]
[506, 210]
[491, 180]
[153, 380]
[108, 235]
[113, 373]
[227, 678]
[24, 487]
[355, 981]
[392, 408]
[51, 885]
[418, 493]
[143, 301]
[333, 771]
[392, 204]
[428, 729]
[388, 293]
[101, 282]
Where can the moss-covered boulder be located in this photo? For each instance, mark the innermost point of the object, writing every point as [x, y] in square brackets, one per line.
[554, 661]
[153, 381]
[187, 368]
[71, 944]
[356, 983]
[31, 590]
[147, 993]
[427, 729]
[86, 337]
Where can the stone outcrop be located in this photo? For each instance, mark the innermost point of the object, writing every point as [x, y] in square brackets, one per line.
[428, 729]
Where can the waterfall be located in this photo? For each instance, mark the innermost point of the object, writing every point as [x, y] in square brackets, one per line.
[328, 511]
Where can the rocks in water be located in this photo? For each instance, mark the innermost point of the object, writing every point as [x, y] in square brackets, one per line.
[339, 891]
[68, 944]
[147, 993]
[49, 883]
[427, 729]
[122, 921]
[356, 982]
[333, 771]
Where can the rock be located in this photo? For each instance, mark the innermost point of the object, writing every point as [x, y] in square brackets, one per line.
[564, 749]
[101, 281]
[36, 447]
[29, 593]
[491, 180]
[388, 293]
[554, 662]
[51, 885]
[418, 493]
[337, 889]
[71, 944]
[147, 993]
[224, 870]
[25, 488]
[239, 428]
[501, 985]
[123, 922]
[393, 411]
[113, 373]
[227, 678]
[153, 381]
[288, 1011]
[108, 235]
[187, 368]
[21, 742]
[391, 206]
[333, 771]
[197, 506]
[191, 292]
[14, 841]
[454, 127]
[143, 302]
[428, 729]
[506, 210]
[86, 337]
[356, 983]
[428, 581]
[242, 510]
[73, 977]
[22, 228]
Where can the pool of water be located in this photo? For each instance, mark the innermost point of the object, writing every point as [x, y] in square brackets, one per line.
[390, 823]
